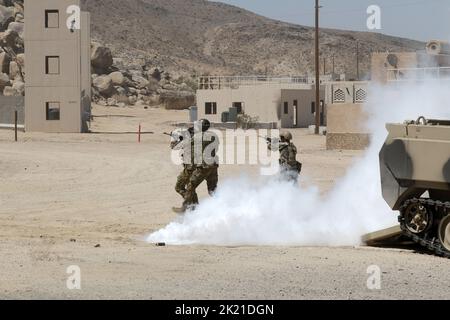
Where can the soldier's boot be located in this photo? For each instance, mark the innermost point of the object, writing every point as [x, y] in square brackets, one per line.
[184, 209]
[180, 211]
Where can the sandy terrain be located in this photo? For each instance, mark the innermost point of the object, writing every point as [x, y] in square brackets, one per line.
[62, 195]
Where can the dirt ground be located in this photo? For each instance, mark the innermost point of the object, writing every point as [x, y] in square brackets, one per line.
[90, 199]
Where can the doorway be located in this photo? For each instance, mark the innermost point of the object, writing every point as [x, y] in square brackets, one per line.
[239, 107]
[295, 114]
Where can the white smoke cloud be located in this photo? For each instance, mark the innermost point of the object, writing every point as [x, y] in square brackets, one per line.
[270, 212]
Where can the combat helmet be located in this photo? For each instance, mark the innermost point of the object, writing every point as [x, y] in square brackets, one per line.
[286, 135]
[204, 125]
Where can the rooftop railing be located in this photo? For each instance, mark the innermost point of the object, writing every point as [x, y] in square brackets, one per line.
[234, 82]
[418, 74]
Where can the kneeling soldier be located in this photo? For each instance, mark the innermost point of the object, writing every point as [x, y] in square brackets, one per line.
[290, 168]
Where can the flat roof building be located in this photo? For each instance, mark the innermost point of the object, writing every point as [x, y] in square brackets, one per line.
[279, 102]
[58, 69]
[345, 100]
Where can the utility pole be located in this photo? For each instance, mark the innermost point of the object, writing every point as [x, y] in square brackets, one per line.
[333, 65]
[317, 70]
[16, 116]
[324, 66]
[357, 60]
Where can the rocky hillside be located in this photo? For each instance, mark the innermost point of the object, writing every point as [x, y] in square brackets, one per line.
[136, 84]
[198, 36]
[12, 59]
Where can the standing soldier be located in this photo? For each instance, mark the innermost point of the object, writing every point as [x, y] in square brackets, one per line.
[290, 168]
[183, 141]
[205, 148]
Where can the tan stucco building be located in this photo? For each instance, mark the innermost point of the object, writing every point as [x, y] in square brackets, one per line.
[346, 116]
[58, 79]
[282, 102]
[345, 100]
[406, 66]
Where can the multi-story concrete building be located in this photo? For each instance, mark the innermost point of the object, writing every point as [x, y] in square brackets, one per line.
[279, 102]
[58, 79]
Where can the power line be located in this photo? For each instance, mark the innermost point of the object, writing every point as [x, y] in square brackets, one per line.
[325, 12]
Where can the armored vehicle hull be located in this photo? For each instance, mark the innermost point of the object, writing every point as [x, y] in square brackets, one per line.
[415, 180]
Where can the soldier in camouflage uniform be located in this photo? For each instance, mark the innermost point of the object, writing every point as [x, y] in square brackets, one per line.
[205, 147]
[183, 141]
[290, 168]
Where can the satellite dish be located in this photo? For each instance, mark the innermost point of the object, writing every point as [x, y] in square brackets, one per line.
[392, 59]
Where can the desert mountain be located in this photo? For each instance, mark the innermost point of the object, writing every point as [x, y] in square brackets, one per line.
[198, 36]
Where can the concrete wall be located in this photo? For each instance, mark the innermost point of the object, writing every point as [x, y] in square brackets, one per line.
[346, 127]
[74, 76]
[260, 101]
[382, 62]
[263, 101]
[346, 92]
[86, 79]
[7, 107]
[304, 98]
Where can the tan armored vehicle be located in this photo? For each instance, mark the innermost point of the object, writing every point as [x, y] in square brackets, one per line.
[415, 179]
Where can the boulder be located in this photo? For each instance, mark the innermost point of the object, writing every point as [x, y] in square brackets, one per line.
[18, 8]
[117, 78]
[102, 102]
[19, 17]
[120, 90]
[140, 103]
[153, 85]
[10, 38]
[119, 97]
[104, 86]
[4, 81]
[111, 102]
[134, 72]
[185, 87]
[154, 100]
[177, 100]
[6, 17]
[132, 100]
[140, 81]
[101, 57]
[14, 71]
[19, 87]
[17, 27]
[5, 60]
[20, 59]
[170, 86]
[9, 91]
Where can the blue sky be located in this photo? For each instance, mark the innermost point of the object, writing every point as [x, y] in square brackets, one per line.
[415, 19]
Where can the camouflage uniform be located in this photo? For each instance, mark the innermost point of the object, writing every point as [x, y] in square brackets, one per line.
[288, 162]
[206, 168]
[183, 180]
[289, 167]
[188, 167]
